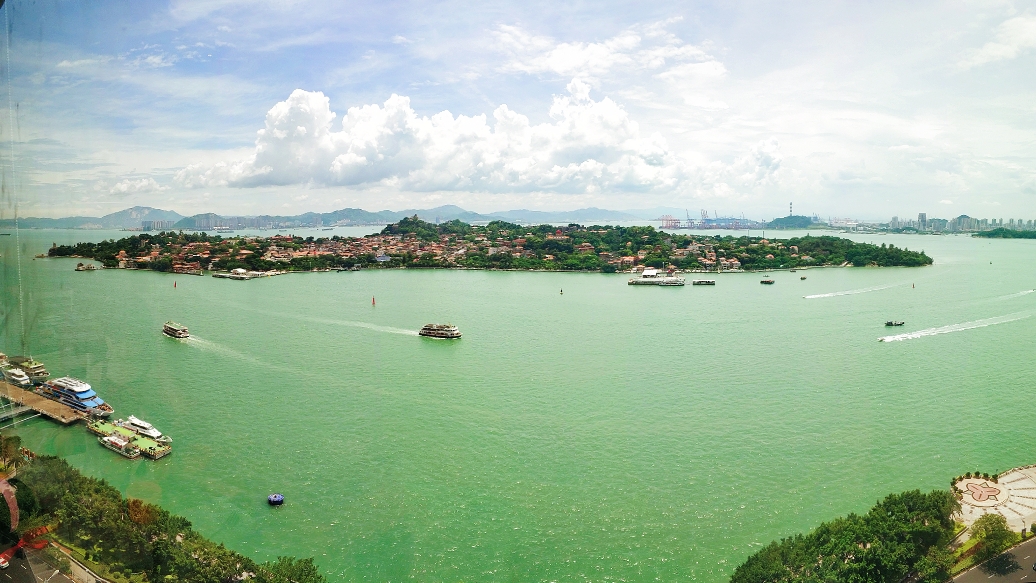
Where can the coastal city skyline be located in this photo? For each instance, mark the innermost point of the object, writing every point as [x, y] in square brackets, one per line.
[711, 106]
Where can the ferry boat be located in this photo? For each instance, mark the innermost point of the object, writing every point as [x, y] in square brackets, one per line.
[34, 368]
[174, 330]
[16, 376]
[704, 282]
[767, 282]
[650, 277]
[76, 394]
[144, 428]
[893, 323]
[120, 445]
[86, 267]
[439, 331]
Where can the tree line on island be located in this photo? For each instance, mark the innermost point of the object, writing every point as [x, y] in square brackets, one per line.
[415, 243]
[127, 539]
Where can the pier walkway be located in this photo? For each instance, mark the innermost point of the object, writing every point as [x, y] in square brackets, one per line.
[56, 411]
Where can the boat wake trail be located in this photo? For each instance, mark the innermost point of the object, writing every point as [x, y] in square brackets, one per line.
[1016, 295]
[368, 326]
[852, 291]
[218, 348]
[955, 328]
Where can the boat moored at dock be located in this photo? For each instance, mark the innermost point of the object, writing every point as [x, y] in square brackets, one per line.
[174, 330]
[650, 276]
[149, 448]
[144, 428]
[76, 394]
[120, 445]
[32, 367]
[16, 376]
[444, 331]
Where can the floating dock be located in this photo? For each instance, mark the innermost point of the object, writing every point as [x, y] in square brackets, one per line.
[52, 409]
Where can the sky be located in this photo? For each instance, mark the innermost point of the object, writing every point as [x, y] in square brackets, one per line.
[846, 109]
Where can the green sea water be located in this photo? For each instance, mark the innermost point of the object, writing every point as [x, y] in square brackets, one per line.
[610, 433]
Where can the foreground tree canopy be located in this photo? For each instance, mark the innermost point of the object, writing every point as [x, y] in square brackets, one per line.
[412, 242]
[903, 535]
[131, 535]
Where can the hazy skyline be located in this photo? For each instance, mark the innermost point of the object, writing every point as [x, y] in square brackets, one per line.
[280, 108]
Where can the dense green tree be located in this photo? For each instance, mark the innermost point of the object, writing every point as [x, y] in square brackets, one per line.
[992, 532]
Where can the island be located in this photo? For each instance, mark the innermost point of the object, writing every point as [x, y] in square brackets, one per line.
[414, 243]
[1003, 233]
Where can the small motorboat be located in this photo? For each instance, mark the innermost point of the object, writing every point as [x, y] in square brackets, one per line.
[893, 323]
[275, 499]
[802, 277]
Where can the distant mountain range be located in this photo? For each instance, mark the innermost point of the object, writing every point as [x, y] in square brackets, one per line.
[131, 218]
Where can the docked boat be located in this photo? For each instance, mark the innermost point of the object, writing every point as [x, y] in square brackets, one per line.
[767, 282]
[144, 428]
[650, 276]
[120, 445]
[704, 282]
[439, 331]
[893, 323]
[174, 330]
[34, 368]
[16, 377]
[77, 395]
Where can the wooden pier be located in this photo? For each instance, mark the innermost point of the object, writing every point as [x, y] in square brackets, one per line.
[52, 409]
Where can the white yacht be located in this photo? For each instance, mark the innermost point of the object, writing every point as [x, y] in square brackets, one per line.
[17, 377]
[144, 428]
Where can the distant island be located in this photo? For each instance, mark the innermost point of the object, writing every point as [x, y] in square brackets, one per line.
[414, 243]
[1003, 233]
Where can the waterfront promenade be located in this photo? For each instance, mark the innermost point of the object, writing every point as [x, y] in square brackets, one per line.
[52, 409]
[1012, 496]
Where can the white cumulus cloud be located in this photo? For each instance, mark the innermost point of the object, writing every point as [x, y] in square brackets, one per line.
[1012, 37]
[130, 186]
[588, 146]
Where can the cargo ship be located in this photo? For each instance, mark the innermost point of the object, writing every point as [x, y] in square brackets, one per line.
[77, 395]
[444, 331]
[174, 330]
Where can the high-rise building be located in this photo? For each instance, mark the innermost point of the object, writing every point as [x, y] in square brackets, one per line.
[922, 221]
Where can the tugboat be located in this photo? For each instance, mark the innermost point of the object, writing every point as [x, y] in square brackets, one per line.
[893, 323]
[174, 330]
[444, 331]
[767, 282]
[120, 445]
